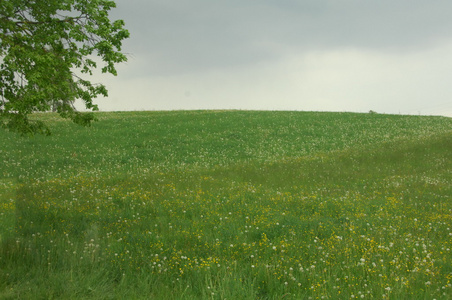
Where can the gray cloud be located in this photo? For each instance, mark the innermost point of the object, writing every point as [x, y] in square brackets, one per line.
[182, 36]
[285, 54]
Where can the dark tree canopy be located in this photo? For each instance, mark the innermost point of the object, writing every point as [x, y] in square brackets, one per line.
[47, 49]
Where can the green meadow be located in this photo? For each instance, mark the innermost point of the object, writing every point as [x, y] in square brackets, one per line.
[228, 205]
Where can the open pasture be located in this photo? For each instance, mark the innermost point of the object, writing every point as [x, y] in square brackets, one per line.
[228, 205]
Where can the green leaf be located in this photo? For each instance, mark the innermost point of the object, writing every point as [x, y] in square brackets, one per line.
[43, 44]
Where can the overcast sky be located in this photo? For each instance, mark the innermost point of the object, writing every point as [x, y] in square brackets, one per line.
[322, 55]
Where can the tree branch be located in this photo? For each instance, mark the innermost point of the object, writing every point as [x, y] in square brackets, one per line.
[66, 20]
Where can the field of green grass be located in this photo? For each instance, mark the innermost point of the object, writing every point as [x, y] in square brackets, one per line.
[228, 205]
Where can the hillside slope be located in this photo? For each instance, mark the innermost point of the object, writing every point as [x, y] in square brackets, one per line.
[228, 204]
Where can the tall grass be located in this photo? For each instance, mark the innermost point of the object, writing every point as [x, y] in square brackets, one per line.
[229, 204]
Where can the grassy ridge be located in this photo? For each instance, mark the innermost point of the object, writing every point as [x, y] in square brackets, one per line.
[170, 140]
[215, 205]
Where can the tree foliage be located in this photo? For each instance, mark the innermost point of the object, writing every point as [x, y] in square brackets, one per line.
[47, 49]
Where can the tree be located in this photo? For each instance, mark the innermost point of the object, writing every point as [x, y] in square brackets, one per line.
[47, 48]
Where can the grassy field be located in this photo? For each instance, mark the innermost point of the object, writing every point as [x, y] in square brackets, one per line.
[228, 205]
